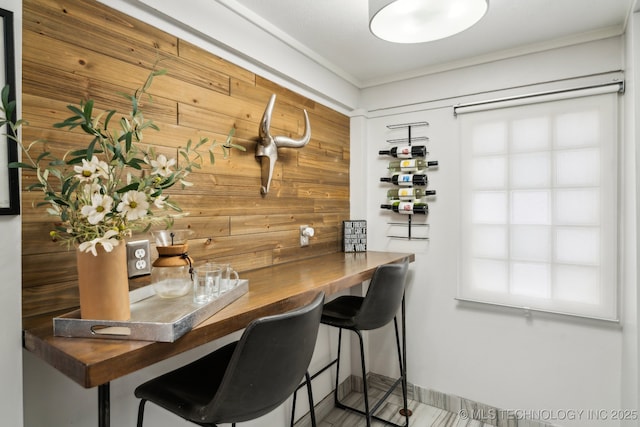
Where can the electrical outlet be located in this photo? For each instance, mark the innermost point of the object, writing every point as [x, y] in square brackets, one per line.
[305, 233]
[138, 258]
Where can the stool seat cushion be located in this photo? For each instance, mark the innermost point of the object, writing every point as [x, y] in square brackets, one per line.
[342, 312]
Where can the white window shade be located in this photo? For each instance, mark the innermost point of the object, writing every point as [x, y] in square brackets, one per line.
[539, 203]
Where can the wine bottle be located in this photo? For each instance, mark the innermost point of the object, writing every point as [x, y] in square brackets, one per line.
[406, 179]
[407, 208]
[411, 165]
[409, 193]
[406, 151]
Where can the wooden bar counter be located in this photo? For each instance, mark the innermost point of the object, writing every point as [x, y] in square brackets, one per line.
[275, 289]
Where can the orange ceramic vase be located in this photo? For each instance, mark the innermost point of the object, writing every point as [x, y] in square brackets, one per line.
[104, 284]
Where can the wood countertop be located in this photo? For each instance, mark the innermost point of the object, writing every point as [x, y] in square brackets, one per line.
[272, 290]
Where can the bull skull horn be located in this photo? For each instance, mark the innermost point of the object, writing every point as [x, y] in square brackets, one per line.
[267, 148]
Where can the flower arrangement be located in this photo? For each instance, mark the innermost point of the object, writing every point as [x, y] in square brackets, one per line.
[116, 185]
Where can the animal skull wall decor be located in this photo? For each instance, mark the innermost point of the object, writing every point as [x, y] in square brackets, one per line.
[267, 147]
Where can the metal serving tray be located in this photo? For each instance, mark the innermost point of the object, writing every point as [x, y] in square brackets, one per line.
[152, 318]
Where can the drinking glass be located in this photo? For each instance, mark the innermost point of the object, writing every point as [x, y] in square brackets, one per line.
[206, 283]
[229, 277]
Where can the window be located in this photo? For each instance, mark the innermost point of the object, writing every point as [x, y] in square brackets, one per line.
[539, 204]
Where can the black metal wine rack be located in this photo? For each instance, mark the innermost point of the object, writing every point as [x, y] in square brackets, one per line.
[409, 140]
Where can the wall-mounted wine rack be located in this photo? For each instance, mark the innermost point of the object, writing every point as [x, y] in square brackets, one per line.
[408, 175]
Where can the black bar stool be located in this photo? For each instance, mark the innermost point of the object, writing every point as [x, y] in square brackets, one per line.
[245, 379]
[384, 298]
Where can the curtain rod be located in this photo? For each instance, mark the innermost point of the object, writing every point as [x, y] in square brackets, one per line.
[538, 97]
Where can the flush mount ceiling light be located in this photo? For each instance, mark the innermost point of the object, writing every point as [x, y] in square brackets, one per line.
[417, 21]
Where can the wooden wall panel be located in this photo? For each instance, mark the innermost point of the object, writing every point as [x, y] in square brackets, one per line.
[75, 50]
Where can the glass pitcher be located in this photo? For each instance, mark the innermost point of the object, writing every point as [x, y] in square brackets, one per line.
[171, 273]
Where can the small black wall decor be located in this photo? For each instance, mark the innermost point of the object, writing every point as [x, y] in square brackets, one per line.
[354, 236]
[9, 184]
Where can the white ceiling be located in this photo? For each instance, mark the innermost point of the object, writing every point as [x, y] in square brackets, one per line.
[335, 33]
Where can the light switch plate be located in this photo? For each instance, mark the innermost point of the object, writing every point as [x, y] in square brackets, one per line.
[138, 258]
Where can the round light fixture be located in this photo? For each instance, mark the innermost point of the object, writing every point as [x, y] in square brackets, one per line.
[418, 21]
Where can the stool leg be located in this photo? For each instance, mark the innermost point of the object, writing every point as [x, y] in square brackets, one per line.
[312, 411]
[365, 387]
[403, 375]
[335, 389]
[141, 412]
[293, 406]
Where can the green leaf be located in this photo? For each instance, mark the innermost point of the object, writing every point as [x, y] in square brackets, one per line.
[56, 173]
[184, 154]
[75, 110]
[5, 95]
[230, 135]
[36, 186]
[42, 156]
[63, 124]
[73, 160]
[70, 186]
[87, 129]
[108, 119]
[132, 186]
[172, 205]
[88, 110]
[135, 163]
[134, 106]
[90, 148]
[15, 165]
[117, 151]
[128, 140]
[202, 142]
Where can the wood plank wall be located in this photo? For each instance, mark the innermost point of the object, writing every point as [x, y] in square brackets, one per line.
[75, 50]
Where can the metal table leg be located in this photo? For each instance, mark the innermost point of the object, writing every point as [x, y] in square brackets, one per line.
[104, 404]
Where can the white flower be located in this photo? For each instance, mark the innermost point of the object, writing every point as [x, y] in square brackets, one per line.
[91, 170]
[162, 166]
[134, 205]
[99, 207]
[106, 241]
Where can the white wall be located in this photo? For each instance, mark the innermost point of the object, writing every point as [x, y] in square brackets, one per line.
[495, 356]
[10, 288]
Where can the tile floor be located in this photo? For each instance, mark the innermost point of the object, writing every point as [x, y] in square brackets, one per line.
[423, 415]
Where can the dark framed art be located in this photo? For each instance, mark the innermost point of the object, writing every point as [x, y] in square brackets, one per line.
[9, 184]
